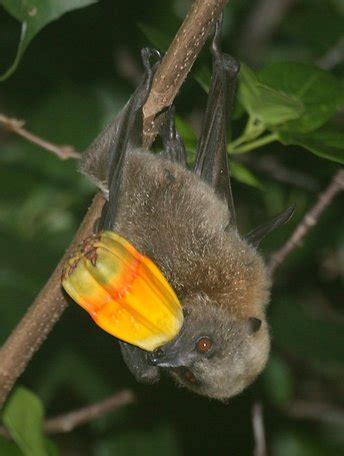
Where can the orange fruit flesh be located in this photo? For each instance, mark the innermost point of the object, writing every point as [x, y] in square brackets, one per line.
[125, 293]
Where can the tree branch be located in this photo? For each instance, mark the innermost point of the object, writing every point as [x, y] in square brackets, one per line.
[333, 57]
[178, 61]
[16, 126]
[49, 305]
[67, 422]
[317, 411]
[309, 220]
[41, 316]
[258, 430]
[281, 173]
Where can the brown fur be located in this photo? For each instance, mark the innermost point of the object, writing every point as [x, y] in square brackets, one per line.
[177, 220]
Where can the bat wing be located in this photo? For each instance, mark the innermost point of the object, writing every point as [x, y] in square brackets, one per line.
[103, 160]
[174, 148]
[103, 163]
[255, 236]
[212, 158]
[128, 136]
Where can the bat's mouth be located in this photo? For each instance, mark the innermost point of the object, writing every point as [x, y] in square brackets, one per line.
[186, 374]
[174, 368]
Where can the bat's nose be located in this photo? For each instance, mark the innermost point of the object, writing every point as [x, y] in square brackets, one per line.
[156, 357]
[165, 358]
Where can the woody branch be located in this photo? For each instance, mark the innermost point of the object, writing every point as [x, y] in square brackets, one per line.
[309, 220]
[49, 305]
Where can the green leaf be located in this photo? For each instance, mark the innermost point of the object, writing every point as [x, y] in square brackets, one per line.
[268, 105]
[203, 76]
[318, 91]
[187, 133]
[34, 15]
[244, 175]
[324, 143]
[52, 449]
[9, 448]
[23, 418]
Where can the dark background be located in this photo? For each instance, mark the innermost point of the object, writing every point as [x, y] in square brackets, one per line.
[76, 74]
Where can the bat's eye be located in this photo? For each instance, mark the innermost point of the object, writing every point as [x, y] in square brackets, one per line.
[254, 325]
[204, 344]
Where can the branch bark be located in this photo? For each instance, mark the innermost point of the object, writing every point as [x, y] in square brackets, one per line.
[49, 305]
[43, 313]
[333, 57]
[16, 126]
[258, 430]
[315, 410]
[309, 220]
[67, 422]
[178, 61]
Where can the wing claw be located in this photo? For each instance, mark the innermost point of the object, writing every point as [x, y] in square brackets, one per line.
[255, 236]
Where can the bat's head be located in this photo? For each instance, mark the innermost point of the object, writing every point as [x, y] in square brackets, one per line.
[221, 348]
[215, 355]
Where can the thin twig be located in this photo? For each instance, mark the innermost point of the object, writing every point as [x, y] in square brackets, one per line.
[258, 430]
[16, 126]
[281, 173]
[317, 411]
[333, 57]
[178, 61]
[67, 422]
[309, 220]
[49, 305]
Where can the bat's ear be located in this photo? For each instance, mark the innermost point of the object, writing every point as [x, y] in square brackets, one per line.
[174, 148]
[211, 159]
[128, 136]
[255, 236]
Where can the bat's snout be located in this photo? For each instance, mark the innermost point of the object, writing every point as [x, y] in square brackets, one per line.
[162, 358]
[156, 358]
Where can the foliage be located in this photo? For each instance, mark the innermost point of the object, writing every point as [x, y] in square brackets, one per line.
[35, 15]
[23, 418]
[291, 100]
[73, 78]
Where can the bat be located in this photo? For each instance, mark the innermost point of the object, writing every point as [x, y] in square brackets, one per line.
[161, 214]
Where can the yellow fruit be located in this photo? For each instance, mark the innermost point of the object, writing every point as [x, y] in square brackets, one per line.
[125, 293]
